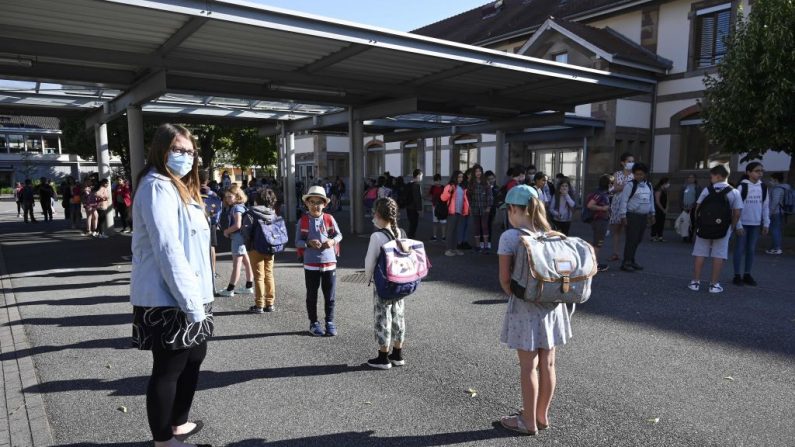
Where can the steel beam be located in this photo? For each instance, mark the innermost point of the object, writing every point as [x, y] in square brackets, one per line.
[191, 26]
[549, 119]
[334, 58]
[372, 111]
[146, 90]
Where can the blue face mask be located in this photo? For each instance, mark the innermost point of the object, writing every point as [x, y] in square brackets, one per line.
[179, 164]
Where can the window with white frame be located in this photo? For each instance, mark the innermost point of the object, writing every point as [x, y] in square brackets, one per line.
[563, 58]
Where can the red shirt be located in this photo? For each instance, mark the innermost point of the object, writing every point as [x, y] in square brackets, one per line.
[436, 193]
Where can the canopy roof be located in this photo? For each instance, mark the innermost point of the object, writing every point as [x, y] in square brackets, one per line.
[147, 48]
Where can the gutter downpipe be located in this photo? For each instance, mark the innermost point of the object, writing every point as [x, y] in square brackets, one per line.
[653, 127]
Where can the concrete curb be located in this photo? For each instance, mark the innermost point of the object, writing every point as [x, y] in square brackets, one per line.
[24, 421]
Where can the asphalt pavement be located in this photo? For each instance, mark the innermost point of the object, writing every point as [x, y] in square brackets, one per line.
[651, 363]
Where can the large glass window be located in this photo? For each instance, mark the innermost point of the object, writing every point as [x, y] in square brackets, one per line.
[696, 150]
[712, 27]
[16, 143]
[3, 145]
[465, 152]
[375, 160]
[34, 143]
[410, 157]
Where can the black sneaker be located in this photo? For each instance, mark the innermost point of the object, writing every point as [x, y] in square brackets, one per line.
[256, 310]
[748, 279]
[466, 246]
[270, 309]
[396, 358]
[627, 268]
[738, 280]
[380, 362]
[636, 266]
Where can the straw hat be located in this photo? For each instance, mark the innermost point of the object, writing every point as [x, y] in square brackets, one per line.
[316, 191]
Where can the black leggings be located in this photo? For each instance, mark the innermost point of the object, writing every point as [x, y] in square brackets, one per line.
[169, 395]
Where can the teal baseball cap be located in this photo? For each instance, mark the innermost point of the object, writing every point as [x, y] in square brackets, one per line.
[520, 195]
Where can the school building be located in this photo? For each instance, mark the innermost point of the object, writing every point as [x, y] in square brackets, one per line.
[676, 43]
[31, 147]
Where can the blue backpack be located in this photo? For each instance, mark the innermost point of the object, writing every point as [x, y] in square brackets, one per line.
[265, 237]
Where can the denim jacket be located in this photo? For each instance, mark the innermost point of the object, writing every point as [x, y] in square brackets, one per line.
[170, 250]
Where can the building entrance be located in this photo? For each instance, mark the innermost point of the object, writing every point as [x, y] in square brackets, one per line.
[566, 161]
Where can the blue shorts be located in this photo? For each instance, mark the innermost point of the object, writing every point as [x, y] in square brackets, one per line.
[238, 245]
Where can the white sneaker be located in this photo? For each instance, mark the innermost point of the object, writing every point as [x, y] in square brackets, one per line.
[715, 288]
[226, 293]
[695, 286]
[459, 252]
[244, 291]
[450, 253]
[774, 251]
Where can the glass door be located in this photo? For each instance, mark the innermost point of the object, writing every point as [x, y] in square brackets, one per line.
[565, 161]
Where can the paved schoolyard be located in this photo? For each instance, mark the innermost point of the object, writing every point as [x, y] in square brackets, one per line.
[710, 370]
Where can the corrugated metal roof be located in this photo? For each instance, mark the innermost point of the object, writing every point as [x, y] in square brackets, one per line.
[255, 52]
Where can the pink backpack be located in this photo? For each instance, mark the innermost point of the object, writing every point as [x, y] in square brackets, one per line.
[401, 266]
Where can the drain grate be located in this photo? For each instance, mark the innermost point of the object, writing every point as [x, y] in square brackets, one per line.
[355, 278]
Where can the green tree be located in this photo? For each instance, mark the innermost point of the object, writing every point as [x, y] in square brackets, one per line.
[749, 105]
[77, 139]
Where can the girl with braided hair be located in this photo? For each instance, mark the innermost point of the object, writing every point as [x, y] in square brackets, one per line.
[390, 324]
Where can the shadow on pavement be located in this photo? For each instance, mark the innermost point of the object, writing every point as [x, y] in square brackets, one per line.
[367, 438]
[136, 386]
[79, 320]
[84, 301]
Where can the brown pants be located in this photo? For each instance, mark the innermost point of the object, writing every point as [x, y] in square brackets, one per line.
[264, 284]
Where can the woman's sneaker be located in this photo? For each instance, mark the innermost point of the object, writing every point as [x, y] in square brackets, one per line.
[380, 362]
[774, 251]
[449, 253]
[695, 286]
[715, 288]
[316, 330]
[256, 310]
[245, 290]
[226, 293]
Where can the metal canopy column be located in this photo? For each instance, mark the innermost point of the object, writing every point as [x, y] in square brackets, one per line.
[356, 153]
[135, 126]
[103, 166]
[288, 142]
[103, 156]
[502, 158]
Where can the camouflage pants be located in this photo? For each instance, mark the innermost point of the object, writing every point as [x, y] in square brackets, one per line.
[390, 322]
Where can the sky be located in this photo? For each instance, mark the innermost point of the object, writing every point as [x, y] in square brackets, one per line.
[400, 15]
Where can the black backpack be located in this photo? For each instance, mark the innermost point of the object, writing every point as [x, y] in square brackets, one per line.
[635, 187]
[714, 215]
[223, 219]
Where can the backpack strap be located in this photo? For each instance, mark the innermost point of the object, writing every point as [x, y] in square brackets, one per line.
[634, 188]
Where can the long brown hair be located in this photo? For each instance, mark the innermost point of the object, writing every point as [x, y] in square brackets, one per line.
[188, 186]
[388, 210]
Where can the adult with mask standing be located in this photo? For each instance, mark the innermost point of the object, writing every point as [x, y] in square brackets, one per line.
[690, 194]
[171, 285]
[620, 179]
[46, 196]
[103, 206]
[660, 209]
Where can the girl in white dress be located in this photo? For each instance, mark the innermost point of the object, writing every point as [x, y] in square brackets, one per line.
[533, 330]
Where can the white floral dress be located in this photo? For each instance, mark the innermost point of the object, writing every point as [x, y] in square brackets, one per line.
[620, 179]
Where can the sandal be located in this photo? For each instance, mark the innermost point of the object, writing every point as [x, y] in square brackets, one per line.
[518, 428]
[538, 423]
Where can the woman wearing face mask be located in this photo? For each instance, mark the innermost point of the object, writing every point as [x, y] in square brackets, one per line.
[621, 178]
[660, 209]
[171, 286]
